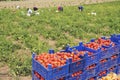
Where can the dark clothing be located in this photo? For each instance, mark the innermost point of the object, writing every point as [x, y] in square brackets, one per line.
[60, 8]
[80, 8]
[35, 8]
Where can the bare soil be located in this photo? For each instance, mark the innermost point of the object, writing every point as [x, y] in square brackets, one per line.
[47, 3]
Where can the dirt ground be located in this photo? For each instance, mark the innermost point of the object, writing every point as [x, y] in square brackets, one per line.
[47, 3]
[5, 74]
[4, 70]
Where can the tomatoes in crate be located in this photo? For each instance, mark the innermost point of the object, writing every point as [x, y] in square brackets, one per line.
[65, 55]
[91, 66]
[105, 42]
[46, 59]
[92, 45]
[103, 60]
[57, 59]
[114, 57]
[102, 73]
[99, 43]
[38, 75]
[77, 73]
[92, 78]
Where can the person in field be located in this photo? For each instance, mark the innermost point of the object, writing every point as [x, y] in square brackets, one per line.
[17, 7]
[36, 10]
[29, 12]
[80, 8]
[59, 9]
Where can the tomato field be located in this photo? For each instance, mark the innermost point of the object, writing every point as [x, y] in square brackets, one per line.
[20, 35]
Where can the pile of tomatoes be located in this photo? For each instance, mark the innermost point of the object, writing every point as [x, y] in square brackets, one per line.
[114, 57]
[57, 59]
[98, 43]
[92, 45]
[38, 76]
[103, 73]
[77, 73]
[104, 42]
[91, 66]
[41, 78]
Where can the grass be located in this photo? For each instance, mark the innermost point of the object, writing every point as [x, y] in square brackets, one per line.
[21, 35]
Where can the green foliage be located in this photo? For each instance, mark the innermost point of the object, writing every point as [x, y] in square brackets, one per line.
[20, 65]
[19, 32]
